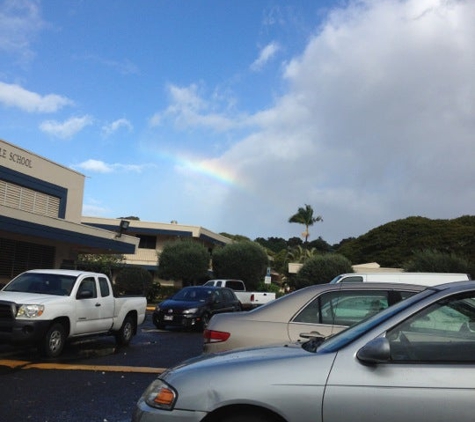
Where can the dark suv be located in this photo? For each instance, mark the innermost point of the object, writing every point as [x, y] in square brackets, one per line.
[192, 307]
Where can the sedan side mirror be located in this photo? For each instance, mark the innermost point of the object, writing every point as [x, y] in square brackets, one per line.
[377, 350]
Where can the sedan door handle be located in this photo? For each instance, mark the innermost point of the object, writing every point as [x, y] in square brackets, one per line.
[97, 305]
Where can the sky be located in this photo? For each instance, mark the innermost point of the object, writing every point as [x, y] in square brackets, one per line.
[231, 115]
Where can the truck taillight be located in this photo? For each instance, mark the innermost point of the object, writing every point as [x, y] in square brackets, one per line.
[211, 336]
[252, 298]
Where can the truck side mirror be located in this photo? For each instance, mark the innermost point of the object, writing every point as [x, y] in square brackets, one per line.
[85, 294]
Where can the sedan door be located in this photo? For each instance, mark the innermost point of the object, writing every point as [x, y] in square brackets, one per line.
[221, 302]
[430, 375]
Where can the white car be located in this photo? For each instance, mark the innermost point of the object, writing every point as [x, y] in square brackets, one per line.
[325, 309]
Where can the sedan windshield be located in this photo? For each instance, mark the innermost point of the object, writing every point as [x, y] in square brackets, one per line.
[193, 294]
[336, 342]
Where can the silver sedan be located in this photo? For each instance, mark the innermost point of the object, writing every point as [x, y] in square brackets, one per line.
[322, 310]
[415, 361]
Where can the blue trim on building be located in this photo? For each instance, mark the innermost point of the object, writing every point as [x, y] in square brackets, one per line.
[212, 240]
[30, 229]
[154, 232]
[38, 185]
[141, 230]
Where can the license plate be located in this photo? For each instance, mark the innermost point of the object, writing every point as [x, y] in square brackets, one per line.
[168, 317]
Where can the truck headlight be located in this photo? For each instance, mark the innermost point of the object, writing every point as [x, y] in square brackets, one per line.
[160, 395]
[30, 311]
[190, 311]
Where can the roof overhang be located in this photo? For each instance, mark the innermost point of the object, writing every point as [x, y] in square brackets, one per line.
[83, 238]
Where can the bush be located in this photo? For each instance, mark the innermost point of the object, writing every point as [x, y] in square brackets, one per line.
[133, 281]
[321, 269]
[271, 288]
[246, 261]
[438, 262]
[154, 291]
[184, 260]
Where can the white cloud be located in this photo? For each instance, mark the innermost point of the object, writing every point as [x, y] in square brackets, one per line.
[95, 210]
[98, 166]
[66, 129]
[189, 109]
[12, 95]
[377, 125]
[125, 67]
[20, 20]
[113, 127]
[267, 53]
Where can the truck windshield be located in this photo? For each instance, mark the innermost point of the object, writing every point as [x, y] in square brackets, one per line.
[335, 280]
[48, 284]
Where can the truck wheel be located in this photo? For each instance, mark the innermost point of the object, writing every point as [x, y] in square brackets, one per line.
[126, 332]
[53, 342]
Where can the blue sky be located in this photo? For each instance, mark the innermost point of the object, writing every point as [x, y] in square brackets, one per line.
[232, 114]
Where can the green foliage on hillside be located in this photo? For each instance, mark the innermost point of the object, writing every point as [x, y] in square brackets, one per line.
[439, 262]
[394, 243]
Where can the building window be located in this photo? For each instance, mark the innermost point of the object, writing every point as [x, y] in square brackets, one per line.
[147, 242]
[22, 256]
[19, 197]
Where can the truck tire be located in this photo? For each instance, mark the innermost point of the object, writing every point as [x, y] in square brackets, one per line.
[53, 342]
[126, 332]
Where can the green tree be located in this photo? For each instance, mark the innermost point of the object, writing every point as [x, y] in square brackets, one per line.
[246, 261]
[274, 244]
[305, 216]
[321, 269]
[104, 263]
[300, 254]
[184, 260]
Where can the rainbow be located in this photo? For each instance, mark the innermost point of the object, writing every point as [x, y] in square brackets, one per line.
[208, 167]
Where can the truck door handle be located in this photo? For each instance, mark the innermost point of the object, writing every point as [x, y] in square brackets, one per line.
[97, 305]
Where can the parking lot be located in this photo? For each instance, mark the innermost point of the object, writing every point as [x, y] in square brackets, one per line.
[94, 380]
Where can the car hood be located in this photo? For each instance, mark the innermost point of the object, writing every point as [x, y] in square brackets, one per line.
[29, 298]
[182, 304]
[266, 367]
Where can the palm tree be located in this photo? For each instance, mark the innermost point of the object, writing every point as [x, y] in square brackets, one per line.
[305, 216]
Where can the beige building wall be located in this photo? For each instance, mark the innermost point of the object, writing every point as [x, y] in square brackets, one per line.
[31, 164]
[40, 216]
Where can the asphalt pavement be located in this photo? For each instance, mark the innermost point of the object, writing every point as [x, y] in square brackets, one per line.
[93, 380]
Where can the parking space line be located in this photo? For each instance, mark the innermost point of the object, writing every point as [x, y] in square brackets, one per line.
[19, 364]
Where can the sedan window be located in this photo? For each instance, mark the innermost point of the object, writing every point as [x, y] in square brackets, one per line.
[343, 307]
[443, 332]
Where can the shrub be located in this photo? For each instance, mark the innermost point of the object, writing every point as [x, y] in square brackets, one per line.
[321, 269]
[184, 260]
[133, 281]
[245, 260]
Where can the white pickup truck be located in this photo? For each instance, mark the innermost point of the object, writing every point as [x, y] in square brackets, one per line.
[48, 307]
[248, 300]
